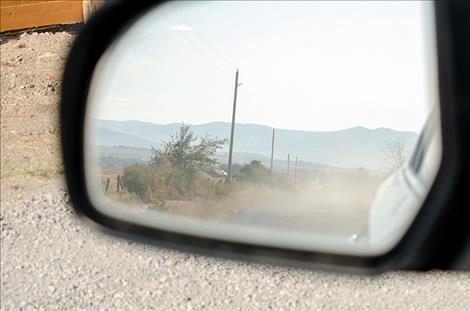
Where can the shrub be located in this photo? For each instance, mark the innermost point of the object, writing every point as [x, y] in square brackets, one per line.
[135, 179]
[174, 172]
[254, 172]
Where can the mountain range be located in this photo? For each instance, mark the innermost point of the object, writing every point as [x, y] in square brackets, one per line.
[349, 148]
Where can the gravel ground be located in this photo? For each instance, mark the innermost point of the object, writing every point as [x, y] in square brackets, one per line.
[31, 69]
[51, 260]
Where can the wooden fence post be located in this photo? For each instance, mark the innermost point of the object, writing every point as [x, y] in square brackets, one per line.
[118, 182]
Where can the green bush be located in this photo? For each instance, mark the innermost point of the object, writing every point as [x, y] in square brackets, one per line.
[135, 179]
[175, 172]
[254, 172]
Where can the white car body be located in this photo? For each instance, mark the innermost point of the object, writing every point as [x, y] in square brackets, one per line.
[399, 198]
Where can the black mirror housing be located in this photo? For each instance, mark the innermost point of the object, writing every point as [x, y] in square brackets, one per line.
[439, 238]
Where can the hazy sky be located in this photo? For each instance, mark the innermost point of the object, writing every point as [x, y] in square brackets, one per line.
[304, 65]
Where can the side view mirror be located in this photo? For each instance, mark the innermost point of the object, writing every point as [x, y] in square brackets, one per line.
[307, 133]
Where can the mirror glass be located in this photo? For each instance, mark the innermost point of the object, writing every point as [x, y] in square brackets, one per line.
[306, 125]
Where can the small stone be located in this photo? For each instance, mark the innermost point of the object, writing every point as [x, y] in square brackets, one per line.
[47, 55]
[30, 308]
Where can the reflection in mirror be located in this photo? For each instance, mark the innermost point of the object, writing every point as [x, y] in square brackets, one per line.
[305, 125]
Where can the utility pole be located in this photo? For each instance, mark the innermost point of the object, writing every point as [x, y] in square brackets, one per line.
[288, 163]
[295, 170]
[304, 170]
[272, 153]
[299, 172]
[230, 152]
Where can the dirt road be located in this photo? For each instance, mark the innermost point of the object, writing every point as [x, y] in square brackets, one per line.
[309, 208]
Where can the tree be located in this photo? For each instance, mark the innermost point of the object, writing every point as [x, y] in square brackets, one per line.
[135, 179]
[395, 155]
[172, 173]
[255, 171]
[186, 155]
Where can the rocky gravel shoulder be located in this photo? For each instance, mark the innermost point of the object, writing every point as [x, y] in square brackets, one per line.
[50, 260]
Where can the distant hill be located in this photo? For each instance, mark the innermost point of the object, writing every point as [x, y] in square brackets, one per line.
[113, 138]
[349, 148]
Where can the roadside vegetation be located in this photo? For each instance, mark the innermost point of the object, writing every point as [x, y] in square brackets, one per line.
[183, 177]
[185, 169]
[396, 155]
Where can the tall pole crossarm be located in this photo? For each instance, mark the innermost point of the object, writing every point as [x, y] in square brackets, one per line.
[230, 153]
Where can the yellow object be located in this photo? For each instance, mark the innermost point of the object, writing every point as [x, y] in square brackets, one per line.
[23, 14]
